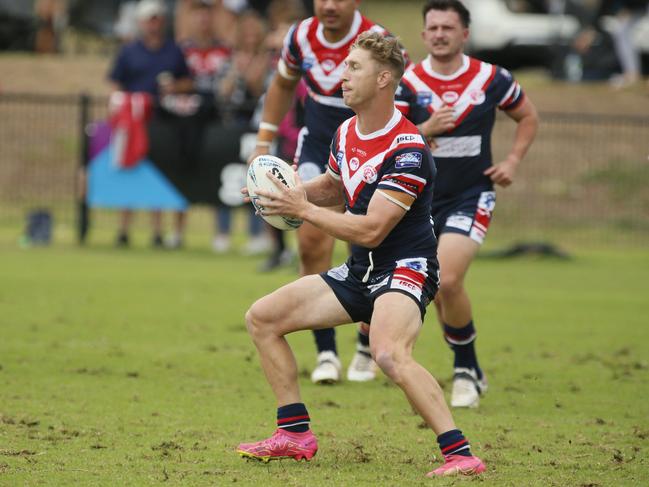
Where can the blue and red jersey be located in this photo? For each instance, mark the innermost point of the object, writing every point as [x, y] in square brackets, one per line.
[474, 91]
[207, 65]
[395, 158]
[321, 63]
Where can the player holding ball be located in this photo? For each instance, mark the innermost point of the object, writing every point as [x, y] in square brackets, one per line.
[381, 168]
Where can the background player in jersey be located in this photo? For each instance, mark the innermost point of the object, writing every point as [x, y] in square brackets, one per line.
[386, 185]
[316, 48]
[455, 97]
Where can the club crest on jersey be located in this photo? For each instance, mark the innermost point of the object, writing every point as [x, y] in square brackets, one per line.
[369, 174]
[477, 97]
[409, 159]
[354, 163]
[424, 98]
[307, 63]
[414, 265]
[328, 65]
[450, 96]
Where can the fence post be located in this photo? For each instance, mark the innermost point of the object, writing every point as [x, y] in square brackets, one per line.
[82, 211]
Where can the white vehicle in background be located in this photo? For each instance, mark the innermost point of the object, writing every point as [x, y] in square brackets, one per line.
[516, 33]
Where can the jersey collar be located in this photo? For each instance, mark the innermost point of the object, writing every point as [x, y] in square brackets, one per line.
[428, 67]
[396, 118]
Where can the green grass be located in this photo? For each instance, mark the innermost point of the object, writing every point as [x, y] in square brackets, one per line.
[134, 368]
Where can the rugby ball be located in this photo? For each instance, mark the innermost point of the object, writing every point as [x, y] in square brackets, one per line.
[258, 179]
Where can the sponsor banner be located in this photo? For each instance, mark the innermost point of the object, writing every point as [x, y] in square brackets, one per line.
[449, 147]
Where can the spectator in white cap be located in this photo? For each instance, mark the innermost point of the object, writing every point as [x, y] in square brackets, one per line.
[152, 64]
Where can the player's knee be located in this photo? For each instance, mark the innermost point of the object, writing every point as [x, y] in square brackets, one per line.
[451, 283]
[390, 360]
[258, 321]
[314, 251]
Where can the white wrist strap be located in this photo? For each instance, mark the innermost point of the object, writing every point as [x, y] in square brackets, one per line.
[282, 69]
[268, 126]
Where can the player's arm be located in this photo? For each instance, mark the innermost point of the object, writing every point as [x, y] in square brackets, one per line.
[277, 103]
[527, 119]
[324, 190]
[385, 210]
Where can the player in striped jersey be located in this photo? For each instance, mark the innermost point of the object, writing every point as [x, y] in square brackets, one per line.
[314, 49]
[381, 169]
[454, 98]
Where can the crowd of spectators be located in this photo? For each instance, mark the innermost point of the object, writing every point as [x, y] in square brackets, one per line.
[229, 50]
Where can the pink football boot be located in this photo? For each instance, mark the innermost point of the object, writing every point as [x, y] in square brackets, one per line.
[283, 444]
[459, 465]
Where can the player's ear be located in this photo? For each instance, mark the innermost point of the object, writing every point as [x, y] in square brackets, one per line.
[385, 78]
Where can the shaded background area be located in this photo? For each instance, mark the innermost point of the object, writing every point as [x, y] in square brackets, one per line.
[583, 183]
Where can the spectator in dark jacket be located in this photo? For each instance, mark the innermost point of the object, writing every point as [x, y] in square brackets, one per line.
[155, 65]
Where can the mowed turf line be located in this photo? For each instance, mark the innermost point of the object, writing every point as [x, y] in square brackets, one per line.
[134, 368]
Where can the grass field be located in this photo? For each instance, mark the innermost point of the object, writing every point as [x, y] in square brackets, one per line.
[134, 368]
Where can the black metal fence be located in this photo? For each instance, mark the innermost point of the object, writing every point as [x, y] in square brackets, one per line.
[584, 181]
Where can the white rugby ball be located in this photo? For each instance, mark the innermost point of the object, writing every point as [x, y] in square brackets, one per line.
[258, 178]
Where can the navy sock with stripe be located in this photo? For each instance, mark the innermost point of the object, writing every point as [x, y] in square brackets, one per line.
[325, 340]
[453, 442]
[293, 417]
[363, 344]
[462, 341]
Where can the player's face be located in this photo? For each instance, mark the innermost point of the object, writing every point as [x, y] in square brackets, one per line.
[335, 15]
[360, 78]
[444, 35]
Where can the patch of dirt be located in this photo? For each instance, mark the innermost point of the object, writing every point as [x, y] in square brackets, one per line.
[17, 453]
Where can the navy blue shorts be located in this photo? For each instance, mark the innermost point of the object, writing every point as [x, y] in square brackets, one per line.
[417, 278]
[467, 214]
[311, 155]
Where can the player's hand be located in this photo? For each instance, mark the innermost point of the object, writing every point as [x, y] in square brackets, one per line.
[246, 195]
[503, 172]
[285, 201]
[259, 150]
[440, 121]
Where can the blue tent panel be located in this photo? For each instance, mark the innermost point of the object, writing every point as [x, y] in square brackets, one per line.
[141, 187]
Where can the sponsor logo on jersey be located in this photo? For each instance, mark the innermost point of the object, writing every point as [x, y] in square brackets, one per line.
[424, 98]
[354, 163]
[328, 65]
[369, 174]
[375, 287]
[360, 152]
[406, 138]
[450, 96]
[400, 283]
[307, 63]
[477, 97]
[339, 157]
[339, 273]
[409, 159]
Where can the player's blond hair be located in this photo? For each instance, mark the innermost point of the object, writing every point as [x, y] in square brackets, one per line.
[384, 50]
